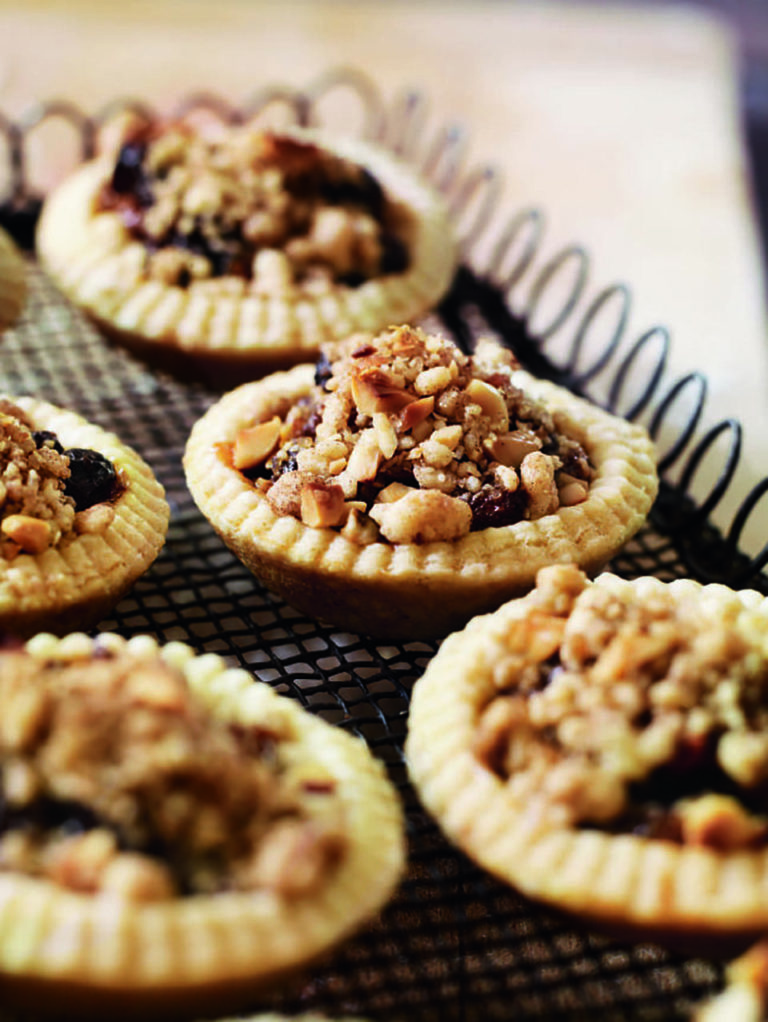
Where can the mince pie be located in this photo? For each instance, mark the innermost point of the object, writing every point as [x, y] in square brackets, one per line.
[603, 747]
[13, 282]
[82, 516]
[174, 836]
[232, 251]
[399, 486]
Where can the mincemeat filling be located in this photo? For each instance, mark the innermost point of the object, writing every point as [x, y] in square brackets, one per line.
[47, 491]
[113, 778]
[404, 438]
[225, 206]
[644, 716]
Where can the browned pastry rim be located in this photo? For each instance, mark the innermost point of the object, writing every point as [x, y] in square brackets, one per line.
[228, 338]
[693, 897]
[103, 956]
[76, 583]
[417, 590]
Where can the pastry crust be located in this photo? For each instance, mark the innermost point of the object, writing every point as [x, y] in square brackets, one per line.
[76, 582]
[226, 338]
[13, 282]
[413, 590]
[203, 953]
[695, 892]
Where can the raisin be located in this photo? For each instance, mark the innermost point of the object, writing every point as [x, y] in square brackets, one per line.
[364, 190]
[284, 460]
[494, 507]
[129, 177]
[323, 371]
[47, 813]
[394, 254]
[45, 438]
[92, 478]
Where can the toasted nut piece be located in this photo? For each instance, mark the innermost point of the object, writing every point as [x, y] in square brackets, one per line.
[491, 402]
[33, 535]
[255, 444]
[365, 458]
[370, 397]
[423, 516]
[359, 528]
[393, 492]
[322, 506]
[718, 821]
[432, 381]
[416, 412]
[95, 519]
[137, 878]
[450, 436]
[385, 434]
[510, 448]
[537, 475]
[573, 493]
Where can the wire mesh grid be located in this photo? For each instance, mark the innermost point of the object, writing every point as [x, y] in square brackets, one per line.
[453, 944]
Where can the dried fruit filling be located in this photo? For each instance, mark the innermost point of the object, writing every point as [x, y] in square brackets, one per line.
[116, 780]
[266, 211]
[46, 491]
[404, 438]
[633, 715]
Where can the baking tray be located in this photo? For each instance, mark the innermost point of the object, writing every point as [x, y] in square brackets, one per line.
[454, 944]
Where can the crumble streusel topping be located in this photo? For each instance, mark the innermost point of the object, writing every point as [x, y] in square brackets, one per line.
[47, 492]
[245, 211]
[406, 438]
[635, 715]
[115, 779]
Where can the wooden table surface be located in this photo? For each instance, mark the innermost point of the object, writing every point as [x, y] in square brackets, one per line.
[621, 123]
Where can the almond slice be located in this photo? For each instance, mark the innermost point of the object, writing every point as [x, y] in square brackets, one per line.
[491, 402]
[255, 443]
[416, 412]
[370, 398]
[511, 448]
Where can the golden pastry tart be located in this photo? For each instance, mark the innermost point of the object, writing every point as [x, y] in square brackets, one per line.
[235, 251]
[400, 486]
[82, 516]
[13, 282]
[175, 836]
[603, 747]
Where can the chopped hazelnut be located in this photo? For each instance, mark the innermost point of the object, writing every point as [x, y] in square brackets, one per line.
[322, 506]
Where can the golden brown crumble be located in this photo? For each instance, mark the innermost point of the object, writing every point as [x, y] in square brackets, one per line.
[239, 210]
[35, 512]
[645, 714]
[116, 780]
[405, 438]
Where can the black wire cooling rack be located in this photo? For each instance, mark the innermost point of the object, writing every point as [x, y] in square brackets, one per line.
[454, 944]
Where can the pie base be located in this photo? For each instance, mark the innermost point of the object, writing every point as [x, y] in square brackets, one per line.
[416, 590]
[204, 954]
[226, 339]
[74, 584]
[694, 899]
[13, 282]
